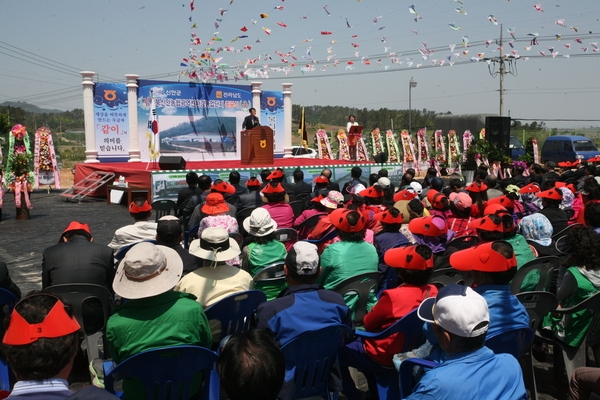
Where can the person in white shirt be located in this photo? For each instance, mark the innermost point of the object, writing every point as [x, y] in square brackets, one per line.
[141, 211]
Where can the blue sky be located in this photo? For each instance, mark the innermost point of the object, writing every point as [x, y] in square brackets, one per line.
[44, 44]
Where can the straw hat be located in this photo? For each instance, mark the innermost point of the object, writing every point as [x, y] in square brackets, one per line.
[215, 245]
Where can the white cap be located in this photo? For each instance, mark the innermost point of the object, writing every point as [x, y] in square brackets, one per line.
[417, 187]
[457, 309]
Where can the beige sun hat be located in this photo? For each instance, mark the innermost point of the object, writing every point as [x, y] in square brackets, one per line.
[215, 245]
[147, 270]
[259, 223]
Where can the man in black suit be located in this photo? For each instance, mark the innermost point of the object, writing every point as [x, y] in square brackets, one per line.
[77, 259]
[251, 120]
[191, 178]
[331, 185]
[302, 190]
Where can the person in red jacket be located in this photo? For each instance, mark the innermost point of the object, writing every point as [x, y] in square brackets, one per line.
[413, 264]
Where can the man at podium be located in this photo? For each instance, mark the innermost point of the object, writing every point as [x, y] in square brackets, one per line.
[251, 120]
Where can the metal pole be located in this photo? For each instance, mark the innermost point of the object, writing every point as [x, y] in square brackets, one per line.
[501, 74]
[410, 106]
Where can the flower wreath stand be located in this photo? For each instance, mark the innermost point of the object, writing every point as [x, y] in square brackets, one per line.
[18, 167]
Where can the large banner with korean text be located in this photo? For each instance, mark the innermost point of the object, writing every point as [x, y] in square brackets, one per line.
[111, 120]
[200, 122]
[271, 115]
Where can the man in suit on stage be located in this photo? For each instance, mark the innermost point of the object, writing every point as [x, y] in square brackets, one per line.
[77, 259]
[251, 120]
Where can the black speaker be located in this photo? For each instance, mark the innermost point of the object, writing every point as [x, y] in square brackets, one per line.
[171, 162]
[497, 132]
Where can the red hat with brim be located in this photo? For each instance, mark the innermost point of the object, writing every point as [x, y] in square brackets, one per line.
[482, 258]
[370, 192]
[321, 179]
[476, 187]
[486, 224]
[252, 182]
[551, 194]
[339, 219]
[438, 201]
[531, 188]
[223, 187]
[317, 199]
[494, 209]
[277, 174]
[270, 188]
[405, 194]
[430, 194]
[407, 258]
[432, 225]
[504, 201]
[78, 226]
[215, 204]
[387, 217]
[135, 209]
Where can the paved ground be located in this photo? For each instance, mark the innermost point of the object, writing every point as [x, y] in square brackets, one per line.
[22, 244]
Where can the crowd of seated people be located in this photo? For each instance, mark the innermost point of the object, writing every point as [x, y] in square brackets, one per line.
[407, 230]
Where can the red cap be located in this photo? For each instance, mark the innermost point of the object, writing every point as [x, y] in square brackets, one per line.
[56, 324]
[317, 199]
[339, 218]
[407, 258]
[494, 209]
[432, 225]
[486, 224]
[405, 194]
[78, 226]
[223, 187]
[531, 188]
[252, 182]
[387, 217]
[504, 201]
[321, 179]
[370, 192]
[134, 208]
[430, 194]
[276, 174]
[274, 187]
[552, 194]
[476, 187]
[438, 201]
[482, 258]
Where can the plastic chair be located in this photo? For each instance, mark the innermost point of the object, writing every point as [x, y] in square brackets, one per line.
[325, 238]
[575, 357]
[84, 295]
[545, 267]
[312, 355]
[7, 301]
[167, 372]
[270, 280]
[237, 237]
[446, 276]
[190, 235]
[360, 285]
[538, 305]
[406, 374]
[298, 206]
[513, 342]
[164, 207]
[120, 254]
[409, 329]
[286, 235]
[234, 313]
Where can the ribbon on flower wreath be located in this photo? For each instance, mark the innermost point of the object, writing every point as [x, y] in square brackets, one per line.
[324, 148]
[536, 155]
[408, 149]
[362, 154]
[376, 141]
[21, 185]
[422, 150]
[453, 151]
[45, 158]
[344, 150]
[18, 132]
[467, 140]
[392, 146]
[482, 133]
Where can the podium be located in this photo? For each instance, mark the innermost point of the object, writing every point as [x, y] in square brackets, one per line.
[354, 134]
[257, 146]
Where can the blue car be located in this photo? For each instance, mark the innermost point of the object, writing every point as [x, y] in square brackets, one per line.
[516, 148]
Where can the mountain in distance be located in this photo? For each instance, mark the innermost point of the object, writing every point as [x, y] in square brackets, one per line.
[29, 107]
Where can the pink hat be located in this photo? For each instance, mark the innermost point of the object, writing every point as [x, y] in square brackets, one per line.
[461, 200]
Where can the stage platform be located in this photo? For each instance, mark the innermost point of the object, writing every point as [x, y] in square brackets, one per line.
[166, 183]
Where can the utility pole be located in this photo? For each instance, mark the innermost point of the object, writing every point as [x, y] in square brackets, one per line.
[501, 60]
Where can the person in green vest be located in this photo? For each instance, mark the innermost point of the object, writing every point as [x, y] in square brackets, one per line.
[262, 250]
[581, 281]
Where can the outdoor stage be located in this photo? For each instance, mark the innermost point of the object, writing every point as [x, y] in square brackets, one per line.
[144, 174]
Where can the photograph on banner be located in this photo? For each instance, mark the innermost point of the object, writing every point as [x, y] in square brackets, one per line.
[111, 121]
[199, 122]
[271, 115]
